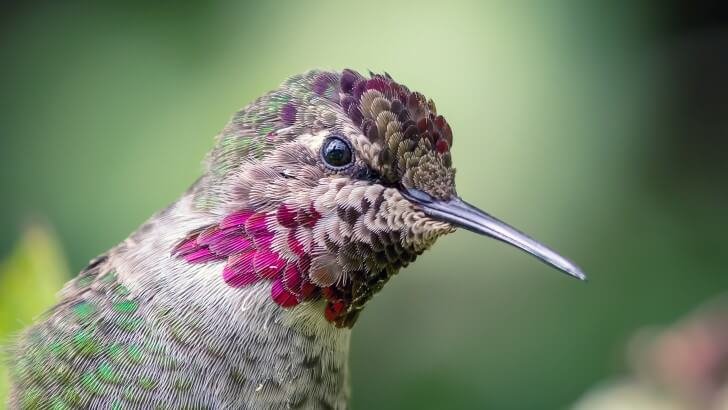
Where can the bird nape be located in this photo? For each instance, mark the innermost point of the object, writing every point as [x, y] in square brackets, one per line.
[242, 293]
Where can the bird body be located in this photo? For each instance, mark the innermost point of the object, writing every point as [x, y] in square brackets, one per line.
[243, 292]
[127, 334]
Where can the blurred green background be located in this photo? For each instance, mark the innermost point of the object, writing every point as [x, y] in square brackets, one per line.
[599, 130]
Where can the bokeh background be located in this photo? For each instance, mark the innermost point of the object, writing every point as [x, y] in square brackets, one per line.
[601, 130]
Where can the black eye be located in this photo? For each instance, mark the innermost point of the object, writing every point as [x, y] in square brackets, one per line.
[336, 152]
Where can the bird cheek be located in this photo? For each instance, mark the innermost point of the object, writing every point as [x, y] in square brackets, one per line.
[424, 231]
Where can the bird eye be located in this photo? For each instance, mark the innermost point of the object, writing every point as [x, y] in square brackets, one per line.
[336, 152]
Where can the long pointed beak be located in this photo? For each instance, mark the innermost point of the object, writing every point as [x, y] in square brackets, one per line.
[461, 214]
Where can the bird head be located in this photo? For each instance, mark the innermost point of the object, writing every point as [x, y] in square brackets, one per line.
[329, 185]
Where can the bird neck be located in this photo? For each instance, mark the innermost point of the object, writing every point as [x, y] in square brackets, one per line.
[284, 353]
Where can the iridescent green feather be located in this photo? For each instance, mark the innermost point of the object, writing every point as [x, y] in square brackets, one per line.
[87, 350]
[102, 348]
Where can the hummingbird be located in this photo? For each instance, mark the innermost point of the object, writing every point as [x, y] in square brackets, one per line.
[243, 292]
